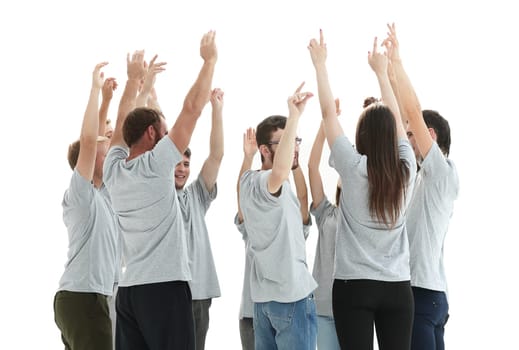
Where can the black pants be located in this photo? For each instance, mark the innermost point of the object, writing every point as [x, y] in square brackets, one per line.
[156, 316]
[358, 304]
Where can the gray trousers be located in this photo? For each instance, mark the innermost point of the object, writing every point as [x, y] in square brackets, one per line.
[247, 333]
[201, 321]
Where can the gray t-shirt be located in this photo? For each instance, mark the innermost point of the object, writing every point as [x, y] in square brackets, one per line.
[428, 216]
[148, 213]
[275, 229]
[194, 202]
[326, 215]
[246, 304]
[365, 247]
[93, 239]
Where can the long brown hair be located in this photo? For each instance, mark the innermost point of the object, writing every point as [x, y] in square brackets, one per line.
[376, 137]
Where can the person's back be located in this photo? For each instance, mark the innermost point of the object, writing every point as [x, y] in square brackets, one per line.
[81, 309]
[155, 243]
[372, 276]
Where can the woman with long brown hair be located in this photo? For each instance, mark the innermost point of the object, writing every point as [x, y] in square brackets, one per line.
[371, 274]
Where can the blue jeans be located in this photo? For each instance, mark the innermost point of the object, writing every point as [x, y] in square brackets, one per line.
[431, 314]
[285, 325]
[326, 334]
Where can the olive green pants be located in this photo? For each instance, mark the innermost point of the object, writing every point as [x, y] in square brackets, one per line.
[84, 320]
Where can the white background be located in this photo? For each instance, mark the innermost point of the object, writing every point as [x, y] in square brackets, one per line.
[461, 57]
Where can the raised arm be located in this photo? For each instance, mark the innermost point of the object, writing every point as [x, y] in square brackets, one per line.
[318, 53]
[378, 63]
[282, 163]
[411, 109]
[198, 95]
[250, 147]
[90, 127]
[135, 70]
[302, 193]
[110, 84]
[149, 81]
[212, 163]
[153, 101]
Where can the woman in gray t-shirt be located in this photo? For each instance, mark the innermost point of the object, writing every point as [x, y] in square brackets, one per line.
[371, 274]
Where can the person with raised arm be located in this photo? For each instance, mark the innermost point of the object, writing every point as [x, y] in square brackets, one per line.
[372, 276]
[431, 206]
[326, 215]
[195, 200]
[281, 285]
[81, 309]
[154, 303]
[250, 147]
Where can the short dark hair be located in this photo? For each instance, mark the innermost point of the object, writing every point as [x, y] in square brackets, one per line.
[187, 153]
[441, 127]
[267, 127]
[138, 121]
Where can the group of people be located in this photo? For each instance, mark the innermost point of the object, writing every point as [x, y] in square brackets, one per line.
[137, 230]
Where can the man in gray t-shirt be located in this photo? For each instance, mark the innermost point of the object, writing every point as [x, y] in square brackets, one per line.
[81, 302]
[195, 200]
[138, 172]
[281, 285]
[430, 209]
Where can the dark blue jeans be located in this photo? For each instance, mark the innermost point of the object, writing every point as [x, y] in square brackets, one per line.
[431, 314]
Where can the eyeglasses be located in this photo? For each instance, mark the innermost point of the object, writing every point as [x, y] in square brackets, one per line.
[298, 141]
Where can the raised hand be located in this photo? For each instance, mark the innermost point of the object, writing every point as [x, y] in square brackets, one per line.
[109, 86]
[391, 43]
[217, 99]
[208, 50]
[318, 50]
[151, 73]
[135, 67]
[250, 146]
[377, 61]
[98, 76]
[297, 102]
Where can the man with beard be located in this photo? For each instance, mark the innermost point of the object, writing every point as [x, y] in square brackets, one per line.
[154, 299]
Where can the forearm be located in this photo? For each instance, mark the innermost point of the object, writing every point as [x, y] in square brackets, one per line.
[216, 141]
[103, 116]
[90, 125]
[301, 192]
[314, 176]
[409, 102]
[245, 165]
[332, 127]
[199, 94]
[389, 99]
[317, 148]
[283, 159]
[126, 105]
